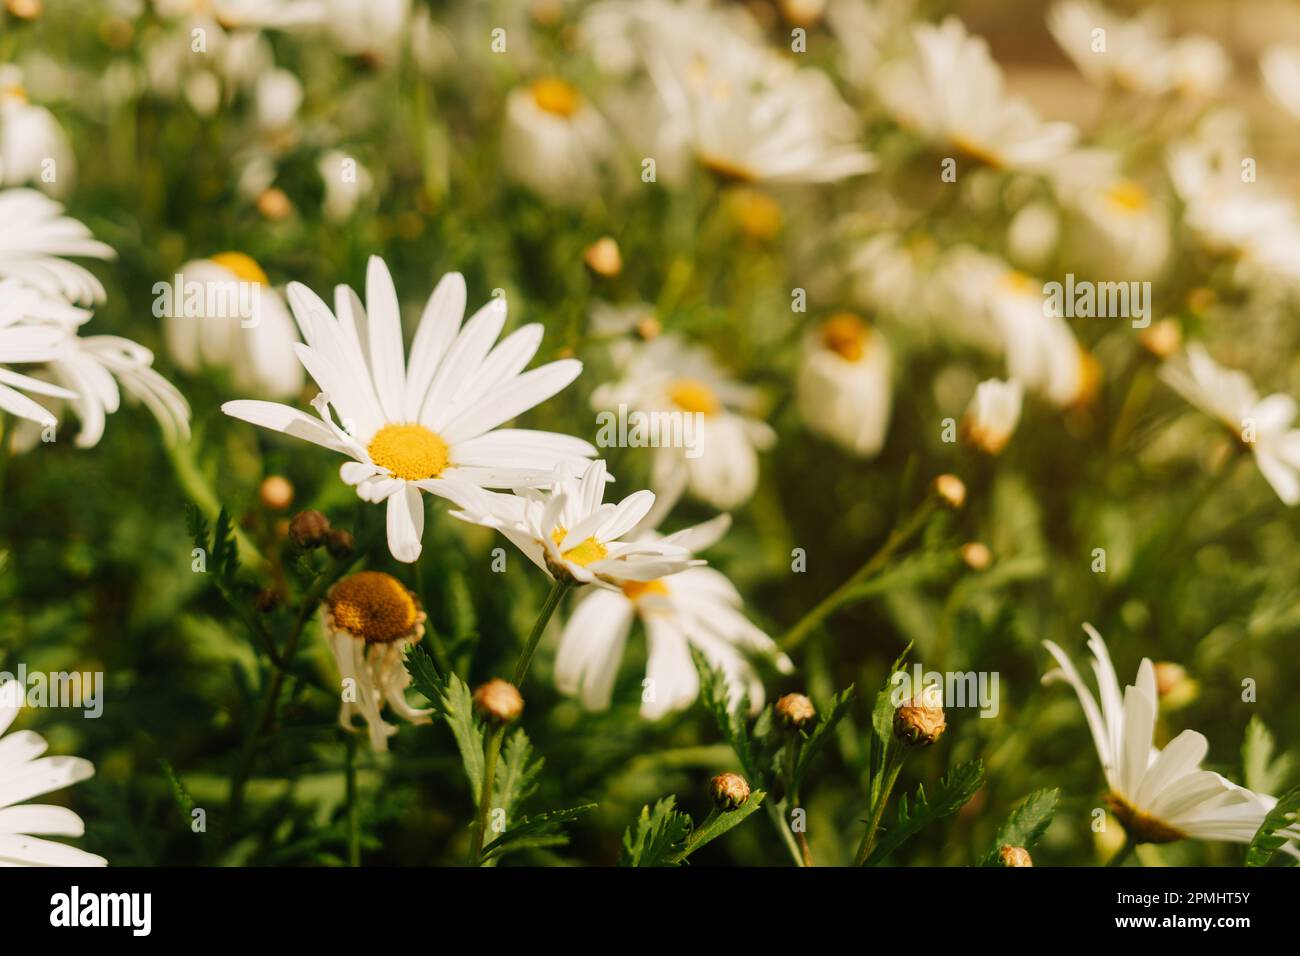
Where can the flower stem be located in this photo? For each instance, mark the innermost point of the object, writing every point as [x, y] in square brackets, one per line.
[900, 536]
[1124, 853]
[485, 796]
[792, 797]
[878, 811]
[354, 829]
[558, 590]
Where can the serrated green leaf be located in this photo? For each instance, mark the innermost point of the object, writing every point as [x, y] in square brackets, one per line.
[952, 792]
[719, 824]
[516, 778]
[424, 675]
[176, 786]
[657, 836]
[1263, 773]
[731, 721]
[544, 829]
[1026, 823]
[826, 721]
[453, 702]
[1267, 841]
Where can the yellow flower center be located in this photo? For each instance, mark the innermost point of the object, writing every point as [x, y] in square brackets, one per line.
[726, 169]
[1140, 827]
[1128, 196]
[1017, 282]
[242, 266]
[692, 395]
[581, 554]
[978, 151]
[637, 589]
[845, 334]
[410, 452]
[553, 95]
[758, 216]
[374, 606]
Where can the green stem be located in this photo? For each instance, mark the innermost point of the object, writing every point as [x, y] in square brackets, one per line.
[485, 796]
[878, 811]
[558, 590]
[1124, 853]
[792, 797]
[897, 538]
[354, 829]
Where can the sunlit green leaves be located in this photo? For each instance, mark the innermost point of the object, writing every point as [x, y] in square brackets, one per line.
[1026, 824]
[1267, 840]
[948, 797]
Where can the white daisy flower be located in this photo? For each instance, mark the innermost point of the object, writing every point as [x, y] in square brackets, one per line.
[235, 321]
[900, 276]
[1280, 67]
[992, 415]
[1158, 795]
[1262, 425]
[573, 535]
[33, 147]
[949, 91]
[844, 387]
[698, 607]
[347, 183]
[24, 774]
[554, 141]
[369, 620]
[375, 30]
[430, 423]
[668, 375]
[29, 334]
[35, 238]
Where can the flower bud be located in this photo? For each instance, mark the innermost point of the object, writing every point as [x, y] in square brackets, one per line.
[1014, 856]
[308, 529]
[795, 711]
[498, 702]
[603, 257]
[25, 9]
[339, 543]
[729, 791]
[273, 204]
[951, 491]
[275, 492]
[919, 724]
[1162, 339]
[976, 555]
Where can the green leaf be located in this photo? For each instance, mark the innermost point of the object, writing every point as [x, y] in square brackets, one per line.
[826, 722]
[731, 722]
[882, 714]
[1267, 841]
[424, 675]
[952, 792]
[1263, 772]
[718, 824]
[1026, 823]
[453, 702]
[657, 836]
[179, 793]
[516, 778]
[541, 830]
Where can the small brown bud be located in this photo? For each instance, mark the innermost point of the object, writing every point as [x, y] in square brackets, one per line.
[308, 529]
[498, 702]
[276, 492]
[976, 555]
[25, 9]
[795, 711]
[273, 204]
[648, 328]
[603, 257]
[951, 491]
[339, 543]
[1162, 339]
[729, 791]
[1168, 677]
[919, 724]
[1014, 856]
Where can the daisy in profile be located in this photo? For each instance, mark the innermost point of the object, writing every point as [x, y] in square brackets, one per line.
[573, 535]
[36, 240]
[1158, 795]
[1265, 426]
[555, 141]
[949, 91]
[720, 460]
[369, 620]
[844, 386]
[427, 423]
[33, 147]
[236, 321]
[698, 607]
[992, 415]
[24, 774]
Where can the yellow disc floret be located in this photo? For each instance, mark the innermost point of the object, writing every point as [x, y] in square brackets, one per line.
[581, 554]
[242, 266]
[692, 395]
[410, 452]
[846, 335]
[554, 96]
[637, 589]
[374, 606]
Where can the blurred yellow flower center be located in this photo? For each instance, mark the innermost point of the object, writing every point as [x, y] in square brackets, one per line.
[845, 334]
[692, 395]
[1141, 827]
[242, 266]
[637, 589]
[977, 151]
[1017, 282]
[582, 554]
[1128, 196]
[758, 216]
[555, 96]
[373, 606]
[724, 168]
[410, 452]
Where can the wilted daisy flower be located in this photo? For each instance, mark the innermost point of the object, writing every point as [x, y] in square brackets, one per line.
[572, 534]
[1280, 67]
[1135, 54]
[35, 238]
[1262, 425]
[369, 620]
[1158, 795]
[949, 91]
[228, 316]
[720, 442]
[554, 140]
[992, 415]
[24, 774]
[844, 387]
[33, 147]
[695, 608]
[430, 423]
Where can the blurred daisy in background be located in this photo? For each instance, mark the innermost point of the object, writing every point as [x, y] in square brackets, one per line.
[211, 330]
[1262, 425]
[369, 619]
[669, 375]
[992, 415]
[24, 774]
[430, 423]
[554, 142]
[347, 184]
[1279, 65]
[949, 91]
[844, 386]
[696, 608]
[33, 147]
